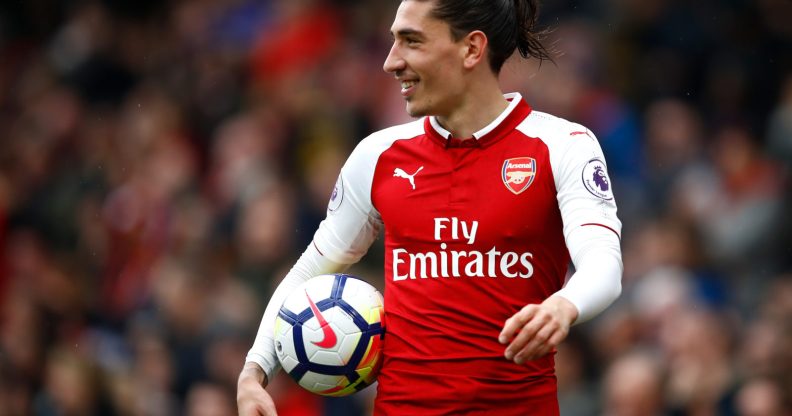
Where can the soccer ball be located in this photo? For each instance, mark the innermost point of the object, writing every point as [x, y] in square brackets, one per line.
[328, 334]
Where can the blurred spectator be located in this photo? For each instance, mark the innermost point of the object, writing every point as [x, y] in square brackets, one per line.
[701, 377]
[210, 400]
[633, 386]
[71, 386]
[674, 145]
[577, 393]
[763, 397]
[779, 129]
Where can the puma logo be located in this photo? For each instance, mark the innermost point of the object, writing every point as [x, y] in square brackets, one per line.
[400, 173]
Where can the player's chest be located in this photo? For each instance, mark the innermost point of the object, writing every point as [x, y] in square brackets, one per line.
[501, 190]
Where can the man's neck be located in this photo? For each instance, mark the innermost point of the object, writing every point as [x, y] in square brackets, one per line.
[476, 112]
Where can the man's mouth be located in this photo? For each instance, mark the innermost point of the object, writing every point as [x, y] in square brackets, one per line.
[408, 86]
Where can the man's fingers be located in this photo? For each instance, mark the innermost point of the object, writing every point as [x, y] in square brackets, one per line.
[551, 343]
[531, 348]
[528, 333]
[543, 351]
[535, 330]
[558, 337]
[516, 322]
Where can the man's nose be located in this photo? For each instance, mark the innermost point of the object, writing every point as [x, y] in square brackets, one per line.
[393, 62]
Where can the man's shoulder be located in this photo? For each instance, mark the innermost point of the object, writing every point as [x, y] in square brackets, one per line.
[370, 148]
[398, 132]
[548, 127]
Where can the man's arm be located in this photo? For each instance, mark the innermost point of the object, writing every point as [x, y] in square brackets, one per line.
[311, 263]
[261, 362]
[536, 329]
[351, 226]
[596, 283]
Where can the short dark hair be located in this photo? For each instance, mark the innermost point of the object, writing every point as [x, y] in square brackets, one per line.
[508, 24]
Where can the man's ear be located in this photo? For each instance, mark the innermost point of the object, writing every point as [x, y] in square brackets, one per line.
[475, 49]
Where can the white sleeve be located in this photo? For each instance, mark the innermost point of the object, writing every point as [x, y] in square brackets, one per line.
[344, 236]
[310, 264]
[352, 222]
[591, 228]
[583, 188]
[596, 283]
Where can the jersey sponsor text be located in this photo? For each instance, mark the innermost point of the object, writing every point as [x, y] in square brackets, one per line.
[459, 263]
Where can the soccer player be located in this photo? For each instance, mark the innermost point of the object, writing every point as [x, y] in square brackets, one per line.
[483, 201]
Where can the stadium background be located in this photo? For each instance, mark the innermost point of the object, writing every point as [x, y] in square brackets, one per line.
[163, 163]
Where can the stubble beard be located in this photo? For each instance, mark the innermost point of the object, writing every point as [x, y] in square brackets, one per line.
[415, 109]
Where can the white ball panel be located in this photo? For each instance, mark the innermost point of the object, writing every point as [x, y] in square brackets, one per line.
[288, 363]
[364, 299]
[312, 324]
[316, 382]
[318, 288]
[325, 357]
[286, 353]
[281, 326]
[343, 322]
[347, 346]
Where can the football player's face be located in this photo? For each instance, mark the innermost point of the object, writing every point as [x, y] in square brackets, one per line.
[426, 60]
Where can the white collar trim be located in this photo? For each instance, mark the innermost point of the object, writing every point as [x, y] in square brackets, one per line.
[514, 97]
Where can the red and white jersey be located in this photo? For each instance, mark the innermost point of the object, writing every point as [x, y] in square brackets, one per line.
[474, 231]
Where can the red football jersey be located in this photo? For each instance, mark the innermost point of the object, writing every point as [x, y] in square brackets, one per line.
[474, 231]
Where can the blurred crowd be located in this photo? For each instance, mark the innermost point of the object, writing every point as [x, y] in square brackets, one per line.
[163, 163]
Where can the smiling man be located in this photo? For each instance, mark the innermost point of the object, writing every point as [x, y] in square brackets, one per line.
[484, 201]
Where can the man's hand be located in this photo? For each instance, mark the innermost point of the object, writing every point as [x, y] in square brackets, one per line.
[536, 329]
[252, 399]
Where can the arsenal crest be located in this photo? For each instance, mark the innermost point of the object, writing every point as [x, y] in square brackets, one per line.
[518, 173]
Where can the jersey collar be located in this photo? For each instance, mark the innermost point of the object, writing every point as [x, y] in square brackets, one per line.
[512, 116]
